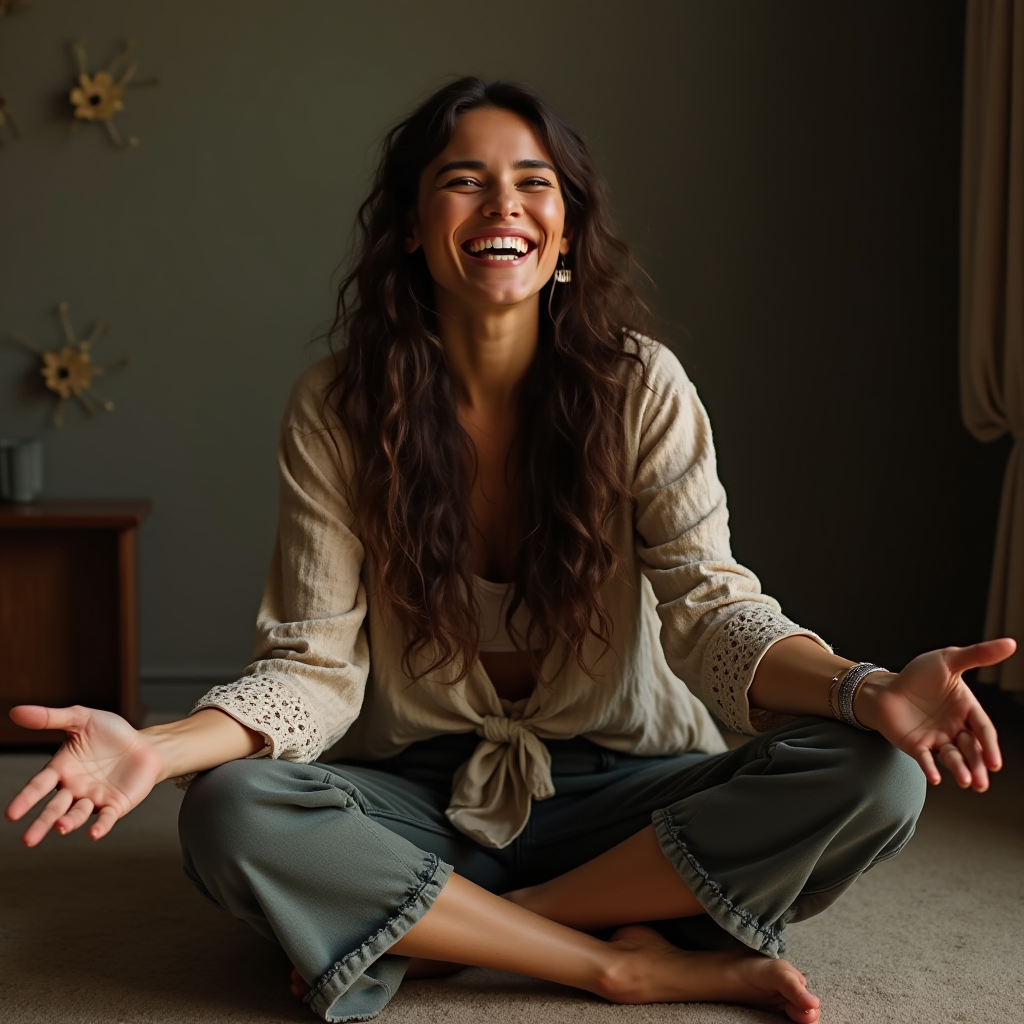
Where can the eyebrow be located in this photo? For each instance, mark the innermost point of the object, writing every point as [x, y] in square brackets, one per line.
[479, 165]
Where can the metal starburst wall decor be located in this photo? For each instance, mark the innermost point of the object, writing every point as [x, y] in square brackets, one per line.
[69, 371]
[99, 97]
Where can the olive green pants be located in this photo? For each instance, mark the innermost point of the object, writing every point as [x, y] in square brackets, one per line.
[336, 862]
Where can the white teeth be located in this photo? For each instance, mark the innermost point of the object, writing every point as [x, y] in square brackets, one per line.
[502, 242]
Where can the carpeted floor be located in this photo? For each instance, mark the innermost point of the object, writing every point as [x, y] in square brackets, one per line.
[112, 933]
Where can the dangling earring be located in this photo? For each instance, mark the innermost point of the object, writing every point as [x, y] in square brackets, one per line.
[563, 275]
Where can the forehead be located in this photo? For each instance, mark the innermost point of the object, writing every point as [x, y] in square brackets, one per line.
[494, 136]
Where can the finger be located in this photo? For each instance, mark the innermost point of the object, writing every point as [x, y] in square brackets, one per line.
[77, 816]
[35, 716]
[982, 727]
[951, 757]
[36, 832]
[35, 789]
[990, 652]
[104, 823]
[927, 763]
[970, 748]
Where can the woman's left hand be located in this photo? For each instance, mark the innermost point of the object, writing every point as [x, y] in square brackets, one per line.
[928, 711]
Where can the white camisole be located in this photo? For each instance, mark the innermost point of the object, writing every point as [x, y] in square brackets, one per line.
[493, 599]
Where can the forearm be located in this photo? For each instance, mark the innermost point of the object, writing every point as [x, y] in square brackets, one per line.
[794, 677]
[204, 740]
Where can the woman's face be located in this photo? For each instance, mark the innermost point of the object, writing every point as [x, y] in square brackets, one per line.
[490, 216]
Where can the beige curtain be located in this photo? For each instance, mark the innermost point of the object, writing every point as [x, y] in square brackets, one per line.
[992, 289]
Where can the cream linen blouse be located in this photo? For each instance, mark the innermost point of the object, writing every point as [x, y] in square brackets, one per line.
[327, 669]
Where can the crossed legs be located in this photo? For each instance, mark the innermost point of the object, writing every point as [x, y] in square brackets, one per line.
[789, 822]
[543, 934]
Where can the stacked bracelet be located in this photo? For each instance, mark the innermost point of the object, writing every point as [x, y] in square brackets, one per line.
[848, 690]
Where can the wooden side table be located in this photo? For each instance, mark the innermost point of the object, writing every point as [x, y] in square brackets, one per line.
[68, 611]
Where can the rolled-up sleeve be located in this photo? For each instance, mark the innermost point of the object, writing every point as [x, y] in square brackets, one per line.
[716, 622]
[305, 685]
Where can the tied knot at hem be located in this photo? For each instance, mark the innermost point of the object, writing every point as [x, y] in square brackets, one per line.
[492, 792]
[500, 729]
[526, 748]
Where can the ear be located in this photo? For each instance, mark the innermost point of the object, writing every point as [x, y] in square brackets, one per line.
[563, 245]
[412, 238]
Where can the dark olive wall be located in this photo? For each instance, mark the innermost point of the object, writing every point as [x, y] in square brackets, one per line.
[787, 172]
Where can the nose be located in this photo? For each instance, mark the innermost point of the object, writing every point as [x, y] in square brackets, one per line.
[502, 203]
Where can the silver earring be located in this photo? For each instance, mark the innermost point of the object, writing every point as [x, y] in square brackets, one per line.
[563, 275]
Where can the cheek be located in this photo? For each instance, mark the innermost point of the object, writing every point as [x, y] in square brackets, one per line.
[439, 223]
[551, 214]
[442, 216]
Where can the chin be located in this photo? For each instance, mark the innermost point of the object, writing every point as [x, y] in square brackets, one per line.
[506, 295]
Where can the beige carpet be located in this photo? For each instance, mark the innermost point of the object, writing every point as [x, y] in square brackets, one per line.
[112, 933]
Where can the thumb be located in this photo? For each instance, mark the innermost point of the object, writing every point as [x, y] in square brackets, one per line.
[35, 716]
[990, 652]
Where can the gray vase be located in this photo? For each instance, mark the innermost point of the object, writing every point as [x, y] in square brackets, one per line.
[21, 469]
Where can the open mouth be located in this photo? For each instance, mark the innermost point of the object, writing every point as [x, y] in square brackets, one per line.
[505, 248]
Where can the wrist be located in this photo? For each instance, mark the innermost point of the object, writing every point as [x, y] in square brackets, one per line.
[165, 742]
[866, 699]
[203, 740]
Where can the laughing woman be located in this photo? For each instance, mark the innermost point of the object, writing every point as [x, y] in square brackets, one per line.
[501, 583]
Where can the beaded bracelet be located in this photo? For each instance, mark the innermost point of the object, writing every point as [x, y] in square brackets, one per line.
[848, 690]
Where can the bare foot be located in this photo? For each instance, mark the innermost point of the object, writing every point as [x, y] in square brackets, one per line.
[298, 987]
[418, 968]
[652, 970]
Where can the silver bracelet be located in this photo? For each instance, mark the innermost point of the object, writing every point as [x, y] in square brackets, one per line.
[848, 690]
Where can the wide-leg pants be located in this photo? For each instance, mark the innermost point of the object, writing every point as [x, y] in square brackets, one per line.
[337, 862]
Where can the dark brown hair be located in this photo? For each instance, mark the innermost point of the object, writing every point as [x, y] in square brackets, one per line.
[396, 399]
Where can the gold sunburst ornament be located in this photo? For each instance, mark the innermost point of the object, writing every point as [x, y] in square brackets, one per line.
[99, 97]
[69, 371]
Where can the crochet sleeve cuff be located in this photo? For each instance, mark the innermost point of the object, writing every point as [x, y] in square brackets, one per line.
[272, 709]
[733, 654]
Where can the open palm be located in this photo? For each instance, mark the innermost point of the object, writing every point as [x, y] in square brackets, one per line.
[928, 710]
[105, 767]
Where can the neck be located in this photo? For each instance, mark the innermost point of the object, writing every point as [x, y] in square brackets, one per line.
[489, 351]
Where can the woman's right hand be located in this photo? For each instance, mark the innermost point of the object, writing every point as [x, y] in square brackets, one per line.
[104, 767]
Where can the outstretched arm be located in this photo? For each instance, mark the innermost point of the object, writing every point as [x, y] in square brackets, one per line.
[105, 767]
[927, 710]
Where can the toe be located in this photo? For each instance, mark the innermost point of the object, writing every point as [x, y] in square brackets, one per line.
[793, 985]
[802, 1016]
[298, 986]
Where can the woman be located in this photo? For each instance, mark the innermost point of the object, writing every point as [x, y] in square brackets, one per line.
[502, 545]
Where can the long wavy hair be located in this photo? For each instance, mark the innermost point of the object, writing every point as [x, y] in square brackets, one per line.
[396, 400]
